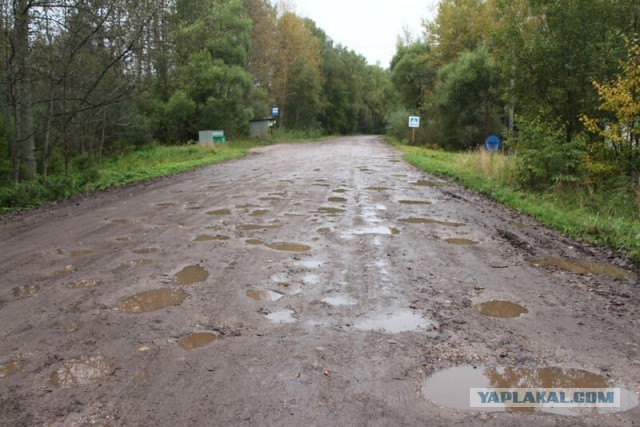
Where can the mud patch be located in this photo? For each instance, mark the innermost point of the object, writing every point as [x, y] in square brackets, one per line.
[25, 291]
[83, 284]
[431, 221]
[450, 387]
[394, 323]
[414, 202]
[340, 300]
[153, 300]
[337, 200]
[81, 372]
[284, 316]
[260, 212]
[11, 368]
[501, 309]
[219, 212]
[191, 275]
[210, 238]
[251, 227]
[289, 247]
[264, 295]
[197, 340]
[461, 242]
[82, 253]
[581, 266]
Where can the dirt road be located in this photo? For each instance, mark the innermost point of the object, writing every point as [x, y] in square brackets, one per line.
[314, 284]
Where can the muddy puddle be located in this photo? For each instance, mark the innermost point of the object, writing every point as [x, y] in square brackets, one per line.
[340, 300]
[451, 387]
[165, 204]
[82, 253]
[284, 316]
[247, 206]
[340, 191]
[380, 230]
[191, 275]
[289, 247]
[431, 221]
[264, 295]
[84, 283]
[197, 340]
[25, 291]
[11, 368]
[153, 300]
[414, 202]
[378, 188]
[271, 199]
[219, 212]
[83, 371]
[254, 242]
[119, 221]
[69, 269]
[260, 212]
[145, 251]
[581, 266]
[136, 263]
[461, 242]
[210, 238]
[394, 323]
[252, 227]
[337, 200]
[501, 309]
[329, 210]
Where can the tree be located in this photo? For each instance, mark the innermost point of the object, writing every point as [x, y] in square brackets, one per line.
[413, 73]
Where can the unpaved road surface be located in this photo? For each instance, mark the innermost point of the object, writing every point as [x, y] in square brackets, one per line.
[311, 284]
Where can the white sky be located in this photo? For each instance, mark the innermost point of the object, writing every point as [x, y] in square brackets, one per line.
[369, 27]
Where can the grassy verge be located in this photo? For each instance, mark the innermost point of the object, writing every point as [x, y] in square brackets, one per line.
[140, 165]
[576, 212]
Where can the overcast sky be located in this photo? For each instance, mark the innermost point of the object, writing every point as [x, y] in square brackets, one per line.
[369, 27]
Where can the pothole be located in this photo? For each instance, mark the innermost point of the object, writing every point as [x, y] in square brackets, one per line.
[340, 300]
[461, 242]
[137, 263]
[582, 266]
[165, 205]
[10, 368]
[152, 300]
[83, 371]
[219, 212]
[431, 221]
[82, 253]
[289, 247]
[284, 316]
[452, 388]
[502, 309]
[264, 295]
[260, 212]
[191, 274]
[25, 291]
[271, 199]
[377, 188]
[414, 202]
[84, 283]
[145, 251]
[394, 323]
[119, 221]
[254, 242]
[426, 183]
[197, 340]
[329, 210]
[210, 238]
[381, 230]
[340, 191]
[250, 227]
[337, 199]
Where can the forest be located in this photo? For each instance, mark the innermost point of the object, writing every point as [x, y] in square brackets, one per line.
[82, 81]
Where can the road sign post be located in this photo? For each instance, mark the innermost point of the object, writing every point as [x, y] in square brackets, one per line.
[414, 122]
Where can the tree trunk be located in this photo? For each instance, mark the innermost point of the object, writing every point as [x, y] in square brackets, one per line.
[9, 123]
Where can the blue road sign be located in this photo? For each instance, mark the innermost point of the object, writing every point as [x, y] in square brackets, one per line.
[492, 143]
[275, 111]
[414, 122]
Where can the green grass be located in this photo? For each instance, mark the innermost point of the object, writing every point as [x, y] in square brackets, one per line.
[609, 218]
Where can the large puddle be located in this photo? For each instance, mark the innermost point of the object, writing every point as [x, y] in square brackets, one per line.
[264, 295]
[502, 309]
[153, 300]
[11, 368]
[197, 340]
[191, 275]
[452, 387]
[83, 371]
[289, 247]
[581, 266]
[431, 221]
[394, 323]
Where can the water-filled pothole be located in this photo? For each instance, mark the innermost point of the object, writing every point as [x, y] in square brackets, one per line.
[197, 340]
[394, 323]
[84, 283]
[165, 205]
[119, 221]
[340, 190]
[152, 300]
[324, 230]
[378, 188]
[339, 300]
[337, 199]
[461, 242]
[431, 221]
[260, 212]
[389, 231]
[145, 251]
[250, 227]
[219, 212]
[83, 371]
[329, 210]
[10, 368]
[264, 295]
[284, 316]
[289, 247]
[191, 274]
[136, 263]
[451, 387]
[25, 291]
[271, 199]
[254, 242]
[81, 253]
[210, 238]
[69, 269]
[502, 309]
[414, 202]
[581, 266]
